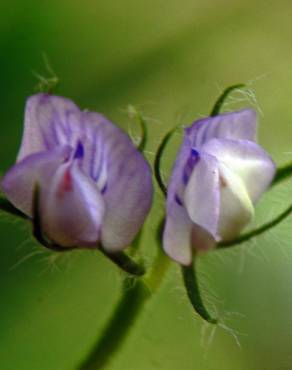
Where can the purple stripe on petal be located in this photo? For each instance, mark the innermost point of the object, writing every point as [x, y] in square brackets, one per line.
[109, 157]
[100, 162]
[205, 132]
[191, 162]
[178, 200]
[79, 152]
[45, 140]
[54, 132]
[93, 154]
[104, 189]
[45, 125]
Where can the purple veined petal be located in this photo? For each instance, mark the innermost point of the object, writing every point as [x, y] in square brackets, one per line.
[18, 183]
[72, 208]
[235, 126]
[202, 197]
[236, 208]
[178, 226]
[105, 155]
[50, 121]
[181, 233]
[177, 235]
[246, 159]
[124, 177]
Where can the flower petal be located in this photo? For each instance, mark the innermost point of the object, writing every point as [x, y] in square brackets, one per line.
[177, 182]
[50, 121]
[236, 208]
[236, 125]
[201, 197]
[72, 208]
[19, 181]
[246, 159]
[124, 178]
[202, 240]
[177, 235]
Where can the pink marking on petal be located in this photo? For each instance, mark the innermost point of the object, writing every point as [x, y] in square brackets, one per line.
[223, 182]
[66, 184]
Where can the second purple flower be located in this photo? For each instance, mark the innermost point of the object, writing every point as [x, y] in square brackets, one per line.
[219, 174]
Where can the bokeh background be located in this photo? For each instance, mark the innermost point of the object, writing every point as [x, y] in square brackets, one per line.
[170, 59]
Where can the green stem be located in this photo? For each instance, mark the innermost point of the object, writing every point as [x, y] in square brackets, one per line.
[124, 262]
[193, 292]
[7, 207]
[220, 101]
[282, 173]
[157, 161]
[258, 231]
[135, 293]
[144, 135]
[134, 296]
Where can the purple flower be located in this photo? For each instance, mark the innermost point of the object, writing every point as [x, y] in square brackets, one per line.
[219, 174]
[95, 186]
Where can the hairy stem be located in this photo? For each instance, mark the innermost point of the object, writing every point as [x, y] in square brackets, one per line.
[124, 262]
[135, 294]
[220, 101]
[157, 161]
[7, 207]
[193, 292]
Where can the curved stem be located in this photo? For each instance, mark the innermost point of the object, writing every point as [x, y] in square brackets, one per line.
[282, 173]
[220, 101]
[157, 160]
[258, 231]
[8, 207]
[144, 135]
[193, 291]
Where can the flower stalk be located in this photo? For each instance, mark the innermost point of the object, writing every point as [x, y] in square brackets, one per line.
[9, 208]
[125, 263]
[157, 160]
[282, 173]
[258, 231]
[135, 294]
[189, 274]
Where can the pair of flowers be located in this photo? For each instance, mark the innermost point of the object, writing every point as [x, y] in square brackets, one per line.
[95, 187]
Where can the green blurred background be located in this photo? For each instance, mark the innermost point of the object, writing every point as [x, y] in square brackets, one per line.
[171, 59]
